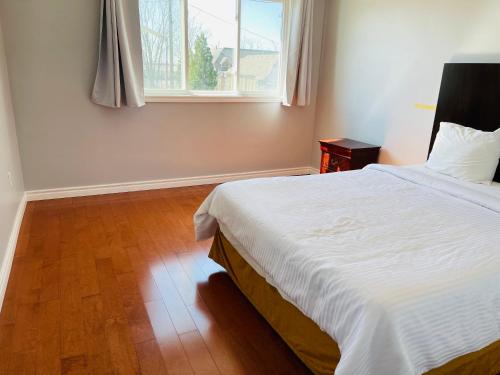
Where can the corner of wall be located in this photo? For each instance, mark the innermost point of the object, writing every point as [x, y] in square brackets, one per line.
[326, 70]
[12, 195]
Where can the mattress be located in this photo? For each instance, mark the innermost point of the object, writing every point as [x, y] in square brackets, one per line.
[385, 254]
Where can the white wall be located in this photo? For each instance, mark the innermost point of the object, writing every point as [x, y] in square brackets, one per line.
[65, 140]
[381, 57]
[10, 195]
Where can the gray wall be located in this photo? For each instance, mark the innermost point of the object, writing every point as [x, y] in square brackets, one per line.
[381, 57]
[65, 140]
[10, 196]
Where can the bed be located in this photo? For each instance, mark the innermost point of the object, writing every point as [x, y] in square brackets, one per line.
[387, 270]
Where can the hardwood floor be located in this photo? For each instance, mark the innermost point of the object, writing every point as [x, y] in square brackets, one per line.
[116, 284]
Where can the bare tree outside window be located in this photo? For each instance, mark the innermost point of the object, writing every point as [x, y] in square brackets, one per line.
[162, 43]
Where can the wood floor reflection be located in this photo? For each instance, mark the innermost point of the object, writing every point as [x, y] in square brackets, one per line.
[116, 284]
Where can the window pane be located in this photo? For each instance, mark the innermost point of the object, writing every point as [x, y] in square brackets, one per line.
[212, 31]
[161, 32]
[260, 45]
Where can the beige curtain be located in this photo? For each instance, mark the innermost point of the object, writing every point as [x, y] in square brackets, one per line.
[119, 79]
[298, 70]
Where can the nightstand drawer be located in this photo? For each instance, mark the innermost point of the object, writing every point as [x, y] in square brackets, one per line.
[338, 163]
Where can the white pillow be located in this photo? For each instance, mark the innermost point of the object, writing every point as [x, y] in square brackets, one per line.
[465, 153]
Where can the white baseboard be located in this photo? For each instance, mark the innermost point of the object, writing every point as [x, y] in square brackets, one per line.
[81, 191]
[313, 170]
[11, 249]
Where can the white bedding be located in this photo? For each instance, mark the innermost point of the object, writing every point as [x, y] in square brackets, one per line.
[399, 266]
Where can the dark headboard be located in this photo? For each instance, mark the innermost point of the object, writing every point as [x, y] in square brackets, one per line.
[469, 96]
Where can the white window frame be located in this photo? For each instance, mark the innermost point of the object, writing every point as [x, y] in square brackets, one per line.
[176, 96]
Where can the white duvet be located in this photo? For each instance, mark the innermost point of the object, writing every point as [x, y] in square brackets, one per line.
[401, 268]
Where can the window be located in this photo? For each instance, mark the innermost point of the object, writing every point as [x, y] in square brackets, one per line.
[212, 48]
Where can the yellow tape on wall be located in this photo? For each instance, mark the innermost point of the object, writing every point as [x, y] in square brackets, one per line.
[427, 107]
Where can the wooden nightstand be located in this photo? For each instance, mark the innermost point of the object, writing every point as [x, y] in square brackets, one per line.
[346, 154]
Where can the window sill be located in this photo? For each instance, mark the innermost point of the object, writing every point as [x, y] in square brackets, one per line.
[211, 99]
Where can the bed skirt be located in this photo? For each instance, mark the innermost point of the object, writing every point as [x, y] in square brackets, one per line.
[315, 348]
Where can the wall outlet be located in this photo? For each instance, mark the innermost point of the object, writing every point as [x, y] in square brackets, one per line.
[9, 176]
